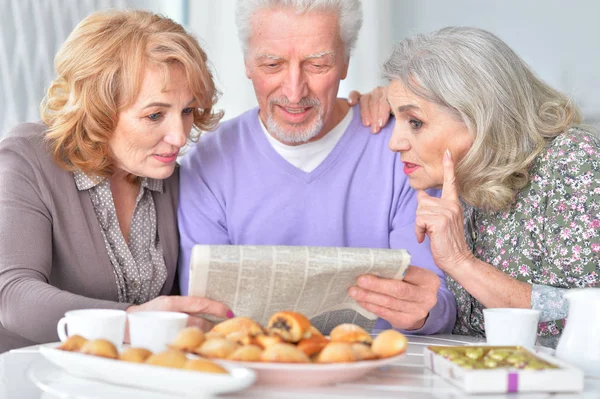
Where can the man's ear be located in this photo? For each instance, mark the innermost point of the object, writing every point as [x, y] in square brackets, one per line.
[248, 70]
[345, 71]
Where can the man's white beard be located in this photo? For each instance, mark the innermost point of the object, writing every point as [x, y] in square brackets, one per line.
[296, 135]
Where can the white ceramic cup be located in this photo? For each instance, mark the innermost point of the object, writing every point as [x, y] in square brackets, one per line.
[154, 330]
[511, 326]
[106, 324]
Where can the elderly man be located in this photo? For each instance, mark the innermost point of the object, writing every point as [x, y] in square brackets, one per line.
[301, 169]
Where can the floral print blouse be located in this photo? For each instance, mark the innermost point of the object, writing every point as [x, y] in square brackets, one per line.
[548, 238]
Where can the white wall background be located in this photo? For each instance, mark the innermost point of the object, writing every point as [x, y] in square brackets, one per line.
[560, 40]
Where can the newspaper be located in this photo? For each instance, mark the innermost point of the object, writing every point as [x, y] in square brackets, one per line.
[257, 281]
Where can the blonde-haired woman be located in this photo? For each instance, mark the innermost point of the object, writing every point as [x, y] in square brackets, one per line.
[88, 199]
[518, 219]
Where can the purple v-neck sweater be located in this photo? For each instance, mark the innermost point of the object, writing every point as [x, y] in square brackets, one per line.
[236, 189]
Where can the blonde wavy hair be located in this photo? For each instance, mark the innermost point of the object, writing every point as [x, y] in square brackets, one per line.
[100, 69]
[511, 113]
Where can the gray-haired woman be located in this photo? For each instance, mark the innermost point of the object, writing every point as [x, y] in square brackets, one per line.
[518, 219]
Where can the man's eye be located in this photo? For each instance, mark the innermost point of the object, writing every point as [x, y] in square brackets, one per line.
[415, 124]
[155, 116]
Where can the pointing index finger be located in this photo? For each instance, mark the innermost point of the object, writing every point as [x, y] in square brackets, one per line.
[449, 191]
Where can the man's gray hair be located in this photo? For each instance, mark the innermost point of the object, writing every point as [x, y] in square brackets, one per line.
[349, 14]
[509, 111]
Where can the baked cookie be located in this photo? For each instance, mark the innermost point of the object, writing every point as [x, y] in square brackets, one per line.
[72, 344]
[389, 343]
[337, 352]
[188, 339]
[363, 352]
[266, 340]
[238, 324]
[100, 347]
[312, 345]
[219, 348]
[350, 333]
[204, 365]
[248, 353]
[169, 358]
[284, 353]
[240, 337]
[135, 355]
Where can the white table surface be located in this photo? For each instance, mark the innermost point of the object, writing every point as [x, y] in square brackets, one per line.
[406, 379]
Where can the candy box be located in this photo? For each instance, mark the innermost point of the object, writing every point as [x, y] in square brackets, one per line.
[502, 369]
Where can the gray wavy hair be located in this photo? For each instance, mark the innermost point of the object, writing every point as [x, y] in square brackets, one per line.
[349, 14]
[511, 113]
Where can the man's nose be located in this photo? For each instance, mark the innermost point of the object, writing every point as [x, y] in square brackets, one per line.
[295, 87]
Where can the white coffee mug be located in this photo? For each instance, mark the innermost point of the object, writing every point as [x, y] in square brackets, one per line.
[511, 326]
[106, 324]
[154, 330]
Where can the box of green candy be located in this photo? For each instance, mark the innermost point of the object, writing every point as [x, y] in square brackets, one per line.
[502, 369]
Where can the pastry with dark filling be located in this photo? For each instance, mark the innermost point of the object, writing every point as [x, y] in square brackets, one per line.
[291, 326]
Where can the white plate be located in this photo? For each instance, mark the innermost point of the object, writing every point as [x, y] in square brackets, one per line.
[310, 374]
[55, 383]
[148, 377]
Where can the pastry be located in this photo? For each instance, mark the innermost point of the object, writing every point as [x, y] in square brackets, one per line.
[291, 326]
[100, 347]
[314, 331]
[238, 324]
[240, 337]
[350, 333]
[169, 358]
[312, 345]
[248, 353]
[204, 365]
[389, 343]
[135, 355]
[219, 348]
[363, 352]
[72, 344]
[266, 340]
[212, 334]
[337, 352]
[284, 353]
[188, 339]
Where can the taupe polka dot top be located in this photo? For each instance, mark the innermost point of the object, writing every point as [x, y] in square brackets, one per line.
[139, 267]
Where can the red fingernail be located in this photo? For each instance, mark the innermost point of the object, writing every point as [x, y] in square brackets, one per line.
[230, 314]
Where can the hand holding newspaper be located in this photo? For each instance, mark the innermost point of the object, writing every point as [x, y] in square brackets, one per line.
[257, 281]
